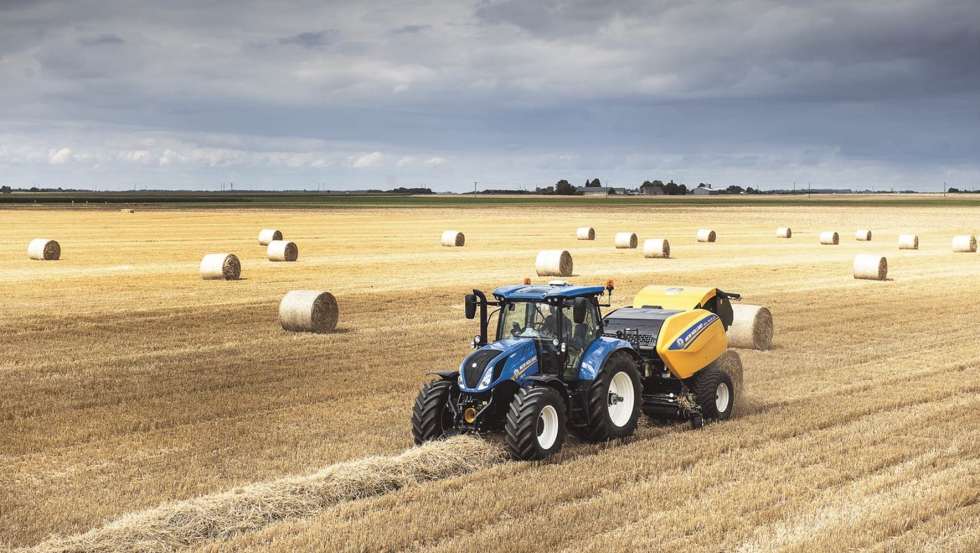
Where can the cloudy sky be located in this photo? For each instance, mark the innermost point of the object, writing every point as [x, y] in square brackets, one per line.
[357, 94]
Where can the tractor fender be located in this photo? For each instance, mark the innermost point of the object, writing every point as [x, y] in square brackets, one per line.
[599, 351]
[452, 376]
[550, 381]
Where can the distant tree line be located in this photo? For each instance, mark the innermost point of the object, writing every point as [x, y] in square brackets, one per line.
[671, 188]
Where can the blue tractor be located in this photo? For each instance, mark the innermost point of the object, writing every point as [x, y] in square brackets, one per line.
[557, 365]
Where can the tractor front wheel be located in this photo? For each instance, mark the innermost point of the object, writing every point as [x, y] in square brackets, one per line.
[614, 400]
[535, 424]
[714, 392]
[432, 417]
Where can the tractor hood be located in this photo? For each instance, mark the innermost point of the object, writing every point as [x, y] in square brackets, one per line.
[494, 363]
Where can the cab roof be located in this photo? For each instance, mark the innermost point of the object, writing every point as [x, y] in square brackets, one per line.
[546, 292]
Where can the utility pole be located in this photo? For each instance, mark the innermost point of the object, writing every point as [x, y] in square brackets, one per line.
[944, 189]
[474, 189]
[808, 190]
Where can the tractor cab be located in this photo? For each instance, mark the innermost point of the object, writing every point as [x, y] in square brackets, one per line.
[560, 320]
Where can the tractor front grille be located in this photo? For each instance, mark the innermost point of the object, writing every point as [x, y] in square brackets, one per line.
[476, 364]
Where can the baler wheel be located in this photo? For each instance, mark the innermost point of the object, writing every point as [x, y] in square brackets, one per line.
[714, 392]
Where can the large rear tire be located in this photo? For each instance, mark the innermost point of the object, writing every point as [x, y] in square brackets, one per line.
[614, 400]
[714, 392]
[535, 424]
[432, 417]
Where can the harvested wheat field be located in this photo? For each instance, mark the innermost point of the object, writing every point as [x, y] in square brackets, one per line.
[144, 408]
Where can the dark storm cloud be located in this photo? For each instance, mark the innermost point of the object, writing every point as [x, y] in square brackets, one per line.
[318, 39]
[449, 92]
[101, 40]
[410, 29]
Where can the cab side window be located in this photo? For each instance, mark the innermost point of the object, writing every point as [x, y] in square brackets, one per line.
[577, 337]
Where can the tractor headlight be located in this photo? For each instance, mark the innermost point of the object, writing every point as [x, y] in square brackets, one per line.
[476, 341]
[487, 377]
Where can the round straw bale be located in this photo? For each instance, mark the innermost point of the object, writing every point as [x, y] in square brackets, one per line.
[730, 363]
[220, 266]
[626, 240]
[43, 249]
[829, 238]
[784, 232]
[863, 235]
[706, 235]
[308, 311]
[554, 263]
[908, 242]
[965, 243]
[656, 247]
[751, 327]
[281, 250]
[585, 233]
[870, 267]
[453, 238]
[267, 235]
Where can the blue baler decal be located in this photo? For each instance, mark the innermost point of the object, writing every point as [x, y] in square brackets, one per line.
[685, 341]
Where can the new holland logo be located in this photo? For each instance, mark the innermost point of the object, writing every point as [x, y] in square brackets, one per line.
[527, 364]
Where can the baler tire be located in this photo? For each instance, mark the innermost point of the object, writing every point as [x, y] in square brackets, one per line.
[704, 385]
[601, 427]
[526, 420]
[431, 416]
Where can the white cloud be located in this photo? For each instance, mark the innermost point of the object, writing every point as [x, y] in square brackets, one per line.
[59, 157]
[369, 160]
[399, 88]
[435, 161]
[405, 160]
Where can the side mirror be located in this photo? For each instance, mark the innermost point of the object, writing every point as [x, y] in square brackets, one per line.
[470, 304]
[579, 309]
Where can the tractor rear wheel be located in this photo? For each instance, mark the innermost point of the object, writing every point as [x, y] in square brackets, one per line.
[535, 424]
[432, 417]
[614, 400]
[714, 392]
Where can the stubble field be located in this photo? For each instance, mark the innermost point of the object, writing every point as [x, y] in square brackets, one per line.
[129, 383]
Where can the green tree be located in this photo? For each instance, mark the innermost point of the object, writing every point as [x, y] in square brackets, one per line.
[564, 188]
[734, 189]
[594, 184]
[5, 189]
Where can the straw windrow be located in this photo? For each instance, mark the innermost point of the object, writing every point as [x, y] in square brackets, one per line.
[174, 526]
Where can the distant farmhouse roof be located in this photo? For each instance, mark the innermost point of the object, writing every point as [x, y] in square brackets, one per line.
[593, 190]
[703, 191]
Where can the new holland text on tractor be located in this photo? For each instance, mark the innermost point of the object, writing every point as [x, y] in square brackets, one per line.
[558, 364]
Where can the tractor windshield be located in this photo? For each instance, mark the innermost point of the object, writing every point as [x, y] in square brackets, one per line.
[528, 319]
